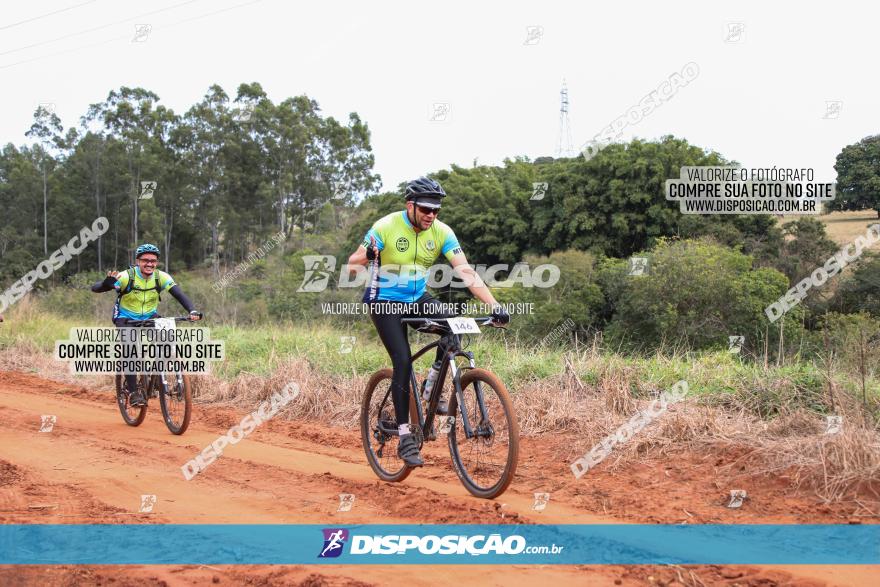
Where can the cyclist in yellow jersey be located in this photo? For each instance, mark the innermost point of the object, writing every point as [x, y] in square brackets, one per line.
[412, 240]
[138, 291]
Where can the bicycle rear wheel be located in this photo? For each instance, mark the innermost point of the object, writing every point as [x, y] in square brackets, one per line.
[175, 398]
[377, 424]
[486, 462]
[133, 415]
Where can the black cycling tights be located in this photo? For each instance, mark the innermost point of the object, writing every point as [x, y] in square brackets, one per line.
[386, 316]
[130, 379]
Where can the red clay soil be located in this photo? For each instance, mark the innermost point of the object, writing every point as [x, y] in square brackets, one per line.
[92, 468]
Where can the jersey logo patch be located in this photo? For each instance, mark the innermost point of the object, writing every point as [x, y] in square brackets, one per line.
[402, 244]
[430, 245]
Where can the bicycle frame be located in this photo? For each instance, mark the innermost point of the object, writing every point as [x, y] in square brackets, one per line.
[150, 323]
[477, 428]
[452, 350]
[451, 345]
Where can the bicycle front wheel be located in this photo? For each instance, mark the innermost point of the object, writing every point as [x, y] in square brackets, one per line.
[485, 462]
[175, 398]
[133, 415]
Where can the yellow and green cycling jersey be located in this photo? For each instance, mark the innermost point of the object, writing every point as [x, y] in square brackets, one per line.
[142, 301]
[411, 254]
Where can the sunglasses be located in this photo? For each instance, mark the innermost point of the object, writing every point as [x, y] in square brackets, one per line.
[426, 210]
[149, 261]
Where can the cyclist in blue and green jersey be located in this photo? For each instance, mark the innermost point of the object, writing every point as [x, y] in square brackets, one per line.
[412, 240]
[137, 298]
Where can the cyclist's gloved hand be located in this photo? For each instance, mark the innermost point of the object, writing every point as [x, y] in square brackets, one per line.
[372, 251]
[195, 315]
[500, 315]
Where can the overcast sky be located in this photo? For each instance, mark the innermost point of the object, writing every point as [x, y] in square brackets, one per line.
[760, 97]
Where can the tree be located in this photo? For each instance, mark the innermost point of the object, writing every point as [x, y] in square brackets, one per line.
[133, 117]
[226, 182]
[860, 290]
[20, 231]
[487, 209]
[46, 128]
[206, 127]
[858, 176]
[806, 246]
[614, 203]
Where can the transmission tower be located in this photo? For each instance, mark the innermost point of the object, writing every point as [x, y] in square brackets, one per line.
[565, 148]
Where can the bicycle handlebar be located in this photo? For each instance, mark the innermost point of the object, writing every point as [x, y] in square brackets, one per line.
[152, 321]
[482, 320]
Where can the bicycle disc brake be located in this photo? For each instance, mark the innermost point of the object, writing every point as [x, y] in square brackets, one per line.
[174, 389]
[486, 433]
[416, 431]
[383, 421]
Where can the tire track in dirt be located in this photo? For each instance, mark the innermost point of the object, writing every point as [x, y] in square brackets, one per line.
[94, 468]
[310, 473]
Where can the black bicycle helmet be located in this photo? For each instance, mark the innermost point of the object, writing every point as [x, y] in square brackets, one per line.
[424, 186]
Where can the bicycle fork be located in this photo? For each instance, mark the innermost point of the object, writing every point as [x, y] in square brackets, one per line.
[459, 393]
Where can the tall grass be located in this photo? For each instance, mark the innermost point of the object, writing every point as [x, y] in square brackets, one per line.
[583, 391]
[259, 350]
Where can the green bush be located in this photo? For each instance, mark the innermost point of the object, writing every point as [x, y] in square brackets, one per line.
[576, 296]
[695, 293]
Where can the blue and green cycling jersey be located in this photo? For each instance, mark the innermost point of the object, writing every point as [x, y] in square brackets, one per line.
[410, 253]
[142, 302]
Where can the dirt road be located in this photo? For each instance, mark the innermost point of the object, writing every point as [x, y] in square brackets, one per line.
[92, 468]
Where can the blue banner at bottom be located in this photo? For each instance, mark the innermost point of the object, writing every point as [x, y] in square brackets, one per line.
[629, 544]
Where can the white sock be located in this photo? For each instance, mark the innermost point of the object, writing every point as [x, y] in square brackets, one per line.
[403, 428]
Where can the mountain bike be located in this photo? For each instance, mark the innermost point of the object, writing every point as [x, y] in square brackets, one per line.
[481, 426]
[172, 389]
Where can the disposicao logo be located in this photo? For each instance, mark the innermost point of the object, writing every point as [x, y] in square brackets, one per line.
[334, 540]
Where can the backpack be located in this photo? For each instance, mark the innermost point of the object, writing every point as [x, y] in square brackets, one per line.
[130, 285]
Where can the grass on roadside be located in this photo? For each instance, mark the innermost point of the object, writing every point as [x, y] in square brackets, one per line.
[587, 393]
[259, 351]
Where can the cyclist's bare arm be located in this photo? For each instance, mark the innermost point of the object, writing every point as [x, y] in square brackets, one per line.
[359, 257]
[472, 279]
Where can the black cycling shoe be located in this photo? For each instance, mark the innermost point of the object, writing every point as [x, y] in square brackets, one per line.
[408, 451]
[136, 399]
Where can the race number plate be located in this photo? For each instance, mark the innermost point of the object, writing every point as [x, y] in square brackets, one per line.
[165, 323]
[464, 326]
